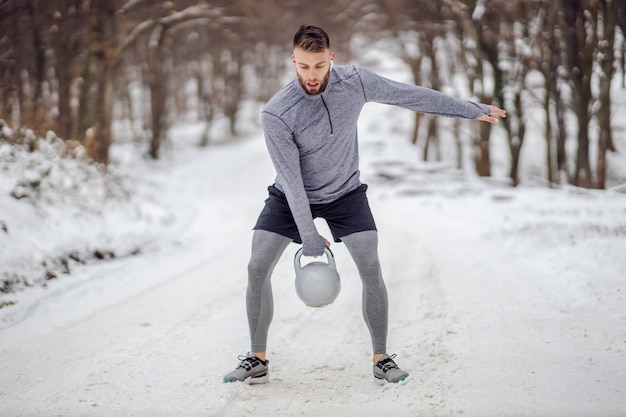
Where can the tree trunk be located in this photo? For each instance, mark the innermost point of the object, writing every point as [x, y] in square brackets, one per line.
[416, 128]
[97, 98]
[105, 96]
[483, 158]
[549, 70]
[157, 90]
[206, 107]
[459, 143]
[580, 62]
[415, 65]
[41, 123]
[517, 139]
[233, 87]
[432, 133]
[8, 92]
[606, 46]
[62, 62]
[548, 135]
[561, 138]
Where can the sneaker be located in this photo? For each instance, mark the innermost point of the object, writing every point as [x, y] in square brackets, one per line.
[249, 367]
[386, 370]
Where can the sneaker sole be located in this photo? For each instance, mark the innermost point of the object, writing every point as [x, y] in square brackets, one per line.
[382, 381]
[261, 379]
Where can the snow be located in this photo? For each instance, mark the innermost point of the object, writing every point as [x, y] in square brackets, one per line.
[506, 302]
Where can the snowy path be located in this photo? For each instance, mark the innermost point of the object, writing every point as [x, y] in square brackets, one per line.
[540, 317]
[502, 302]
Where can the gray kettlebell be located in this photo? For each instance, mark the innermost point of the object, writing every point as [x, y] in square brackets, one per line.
[317, 283]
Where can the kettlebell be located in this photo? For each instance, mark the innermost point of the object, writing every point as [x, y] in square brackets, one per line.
[317, 283]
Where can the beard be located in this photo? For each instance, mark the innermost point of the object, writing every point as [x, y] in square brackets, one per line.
[317, 90]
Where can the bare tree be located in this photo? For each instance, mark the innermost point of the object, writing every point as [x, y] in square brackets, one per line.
[23, 57]
[581, 35]
[621, 24]
[546, 62]
[511, 62]
[480, 47]
[607, 15]
[66, 43]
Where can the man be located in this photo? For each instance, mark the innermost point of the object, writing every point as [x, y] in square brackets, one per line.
[310, 129]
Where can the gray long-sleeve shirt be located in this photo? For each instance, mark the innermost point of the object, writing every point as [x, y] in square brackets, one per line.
[313, 142]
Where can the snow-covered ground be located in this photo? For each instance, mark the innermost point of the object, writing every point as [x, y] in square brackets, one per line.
[503, 302]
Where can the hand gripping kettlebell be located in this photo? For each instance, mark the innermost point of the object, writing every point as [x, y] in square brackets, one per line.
[317, 283]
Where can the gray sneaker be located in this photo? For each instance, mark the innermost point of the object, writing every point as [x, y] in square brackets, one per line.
[386, 370]
[249, 367]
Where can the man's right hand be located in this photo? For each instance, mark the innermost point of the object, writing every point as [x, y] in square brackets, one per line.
[315, 248]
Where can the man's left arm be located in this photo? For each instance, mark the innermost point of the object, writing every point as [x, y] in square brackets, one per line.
[423, 100]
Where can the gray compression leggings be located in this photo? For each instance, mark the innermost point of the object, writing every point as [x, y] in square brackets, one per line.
[267, 248]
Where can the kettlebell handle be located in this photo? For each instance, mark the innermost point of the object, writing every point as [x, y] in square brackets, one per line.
[329, 254]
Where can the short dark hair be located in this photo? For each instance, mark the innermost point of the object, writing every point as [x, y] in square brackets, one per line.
[311, 38]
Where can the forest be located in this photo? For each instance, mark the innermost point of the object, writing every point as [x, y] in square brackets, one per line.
[74, 67]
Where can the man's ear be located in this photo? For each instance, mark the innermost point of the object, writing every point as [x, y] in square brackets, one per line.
[332, 56]
[293, 58]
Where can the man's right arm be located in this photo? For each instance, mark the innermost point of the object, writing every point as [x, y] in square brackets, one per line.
[286, 159]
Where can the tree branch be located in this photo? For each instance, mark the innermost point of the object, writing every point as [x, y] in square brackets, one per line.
[198, 11]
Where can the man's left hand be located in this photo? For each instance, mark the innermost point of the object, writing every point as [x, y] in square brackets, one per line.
[493, 111]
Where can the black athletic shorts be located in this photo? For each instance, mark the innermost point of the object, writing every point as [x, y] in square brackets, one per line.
[349, 214]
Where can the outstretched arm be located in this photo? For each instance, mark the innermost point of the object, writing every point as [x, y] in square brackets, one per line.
[493, 111]
[422, 100]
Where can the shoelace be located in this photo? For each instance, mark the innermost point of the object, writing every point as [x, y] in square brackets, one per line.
[387, 363]
[248, 362]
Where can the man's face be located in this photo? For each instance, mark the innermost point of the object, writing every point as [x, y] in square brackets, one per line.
[313, 69]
